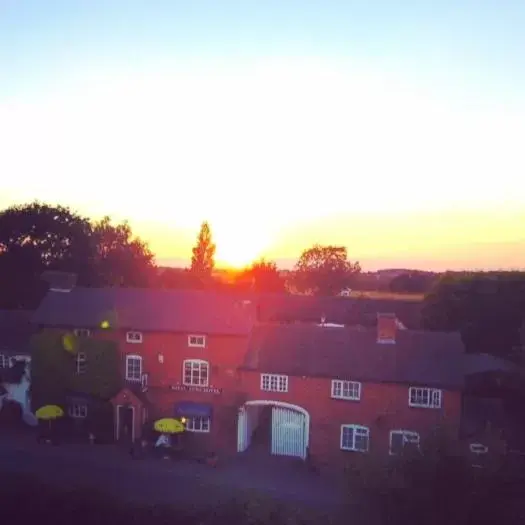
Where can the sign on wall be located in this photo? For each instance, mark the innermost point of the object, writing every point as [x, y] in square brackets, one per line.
[204, 389]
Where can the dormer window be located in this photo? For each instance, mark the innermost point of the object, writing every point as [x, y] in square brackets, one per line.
[197, 341]
[134, 337]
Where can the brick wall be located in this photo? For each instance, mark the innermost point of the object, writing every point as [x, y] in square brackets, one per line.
[382, 408]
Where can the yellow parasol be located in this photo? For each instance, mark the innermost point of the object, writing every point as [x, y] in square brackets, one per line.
[169, 425]
[70, 343]
[49, 412]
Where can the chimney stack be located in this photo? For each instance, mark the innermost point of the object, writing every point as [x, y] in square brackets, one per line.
[387, 325]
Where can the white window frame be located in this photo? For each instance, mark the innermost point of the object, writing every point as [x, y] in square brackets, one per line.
[353, 390]
[5, 361]
[195, 364]
[200, 424]
[78, 410]
[356, 430]
[478, 448]
[409, 436]
[134, 357]
[82, 332]
[274, 383]
[197, 341]
[81, 363]
[434, 396]
[134, 337]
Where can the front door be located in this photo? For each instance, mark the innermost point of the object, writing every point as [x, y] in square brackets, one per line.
[125, 424]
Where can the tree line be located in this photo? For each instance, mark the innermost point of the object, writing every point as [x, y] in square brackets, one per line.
[487, 307]
[37, 237]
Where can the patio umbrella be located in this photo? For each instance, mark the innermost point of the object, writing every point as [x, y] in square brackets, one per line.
[70, 343]
[49, 412]
[169, 425]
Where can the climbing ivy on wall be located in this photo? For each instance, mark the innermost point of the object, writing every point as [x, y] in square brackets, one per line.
[53, 367]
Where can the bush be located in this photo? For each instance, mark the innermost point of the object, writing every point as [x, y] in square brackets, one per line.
[439, 487]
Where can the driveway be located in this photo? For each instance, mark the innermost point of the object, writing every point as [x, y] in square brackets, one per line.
[153, 481]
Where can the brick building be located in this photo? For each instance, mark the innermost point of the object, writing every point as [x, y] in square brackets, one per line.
[293, 389]
[349, 388]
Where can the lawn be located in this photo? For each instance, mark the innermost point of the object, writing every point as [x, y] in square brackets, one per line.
[392, 296]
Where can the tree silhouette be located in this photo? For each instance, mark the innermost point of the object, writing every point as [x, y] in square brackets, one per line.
[120, 258]
[324, 270]
[262, 276]
[203, 258]
[36, 237]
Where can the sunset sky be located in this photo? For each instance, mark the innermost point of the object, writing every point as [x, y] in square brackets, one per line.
[392, 127]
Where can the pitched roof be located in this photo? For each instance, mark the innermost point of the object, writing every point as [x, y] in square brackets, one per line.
[147, 310]
[338, 310]
[429, 358]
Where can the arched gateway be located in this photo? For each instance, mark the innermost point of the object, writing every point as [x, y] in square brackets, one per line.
[290, 427]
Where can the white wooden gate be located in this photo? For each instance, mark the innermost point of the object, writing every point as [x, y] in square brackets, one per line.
[242, 431]
[288, 432]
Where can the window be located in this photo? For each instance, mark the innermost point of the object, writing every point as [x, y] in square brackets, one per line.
[346, 390]
[133, 337]
[81, 362]
[424, 397]
[400, 439]
[197, 340]
[196, 372]
[198, 424]
[77, 411]
[355, 438]
[5, 361]
[274, 383]
[478, 448]
[82, 332]
[133, 368]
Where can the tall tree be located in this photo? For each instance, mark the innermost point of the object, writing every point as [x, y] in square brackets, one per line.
[121, 259]
[203, 258]
[37, 237]
[324, 270]
[488, 308]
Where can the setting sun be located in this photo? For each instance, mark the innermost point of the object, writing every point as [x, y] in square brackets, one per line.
[238, 245]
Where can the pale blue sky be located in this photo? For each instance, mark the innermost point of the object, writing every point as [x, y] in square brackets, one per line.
[463, 42]
[391, 102]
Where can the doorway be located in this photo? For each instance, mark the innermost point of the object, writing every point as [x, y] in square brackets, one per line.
[125, 423]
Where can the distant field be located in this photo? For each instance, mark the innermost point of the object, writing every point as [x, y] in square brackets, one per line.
[388, 295]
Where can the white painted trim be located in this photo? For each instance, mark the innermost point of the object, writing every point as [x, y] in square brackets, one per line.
[199, 362]
[82, 332]
[404, 433]
[433, 393]
[282, 380]
[138, 357]
[117, 432]
[355, 428]
[130, 334]
[199, 336]
[282, 404]
[341, 383]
